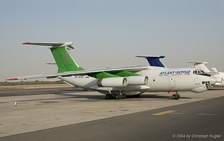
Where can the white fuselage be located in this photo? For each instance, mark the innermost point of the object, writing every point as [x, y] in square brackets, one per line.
[159, 80]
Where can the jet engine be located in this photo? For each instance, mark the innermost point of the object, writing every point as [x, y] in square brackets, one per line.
[113, 82]
[137, 80]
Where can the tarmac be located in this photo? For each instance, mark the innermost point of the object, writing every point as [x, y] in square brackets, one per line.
[46, 109]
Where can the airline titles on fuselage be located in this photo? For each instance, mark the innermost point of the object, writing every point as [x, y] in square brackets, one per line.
[167, 73]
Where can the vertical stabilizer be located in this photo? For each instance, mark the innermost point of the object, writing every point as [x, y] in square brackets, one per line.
[154, 60]
[214, 69]
[63, 59]
[201, 65]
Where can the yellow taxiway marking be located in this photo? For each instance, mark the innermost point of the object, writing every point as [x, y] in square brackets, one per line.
[95, 109]
[163, 113]
[201, 114]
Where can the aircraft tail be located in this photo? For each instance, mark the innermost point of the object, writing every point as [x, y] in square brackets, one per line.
[154, 60]
[63, 59]
[214, 69]
[201, 65]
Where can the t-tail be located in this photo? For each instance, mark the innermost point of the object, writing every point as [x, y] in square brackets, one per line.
[201, 65]
[63, 59]
[154, 60]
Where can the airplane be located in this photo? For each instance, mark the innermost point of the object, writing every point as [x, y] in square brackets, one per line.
[217, 76]
[120, 82]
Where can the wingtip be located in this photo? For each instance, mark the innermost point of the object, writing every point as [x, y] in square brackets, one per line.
[12, 78]
[26, 43]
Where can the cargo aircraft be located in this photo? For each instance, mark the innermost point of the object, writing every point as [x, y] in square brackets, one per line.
[119, 82]
[217, 76]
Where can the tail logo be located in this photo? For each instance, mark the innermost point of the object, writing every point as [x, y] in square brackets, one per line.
[65, 58]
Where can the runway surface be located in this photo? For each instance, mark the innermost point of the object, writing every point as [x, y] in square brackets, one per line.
[90, 117]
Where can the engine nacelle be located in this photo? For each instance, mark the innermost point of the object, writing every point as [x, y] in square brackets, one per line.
[137, 80]
[199, 89]
[113, 82]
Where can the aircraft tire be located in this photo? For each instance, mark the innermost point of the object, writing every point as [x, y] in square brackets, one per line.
[175, 96]
[109, 96]
[123, 96]
[118, 96]
[137, 96]
[133, 96]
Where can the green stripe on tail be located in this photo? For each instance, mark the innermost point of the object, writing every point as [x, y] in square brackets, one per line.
[63, 60]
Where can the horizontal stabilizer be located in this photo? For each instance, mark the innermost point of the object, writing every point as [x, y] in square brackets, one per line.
[154, 60]
[52, 44]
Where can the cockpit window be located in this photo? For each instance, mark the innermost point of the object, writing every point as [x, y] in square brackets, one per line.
[200, 72]
[195, 72]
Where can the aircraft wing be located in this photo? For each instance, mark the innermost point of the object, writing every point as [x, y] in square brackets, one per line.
[201, 65]
[213, 73]
[82, 72]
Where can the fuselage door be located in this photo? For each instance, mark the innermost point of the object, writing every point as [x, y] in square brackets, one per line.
[172, 82]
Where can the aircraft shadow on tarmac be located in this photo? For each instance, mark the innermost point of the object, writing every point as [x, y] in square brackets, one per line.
[71, 93]
[160, 96]
[82, 94]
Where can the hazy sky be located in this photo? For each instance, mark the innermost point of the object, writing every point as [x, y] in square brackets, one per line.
[110, 33]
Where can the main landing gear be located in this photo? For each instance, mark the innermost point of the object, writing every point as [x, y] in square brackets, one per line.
[175, 96]
[117, 96]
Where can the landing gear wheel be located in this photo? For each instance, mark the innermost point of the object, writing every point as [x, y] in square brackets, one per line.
[137, 96]
[175, 96]
[109, 96]
[118, 96]
[123, 96]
